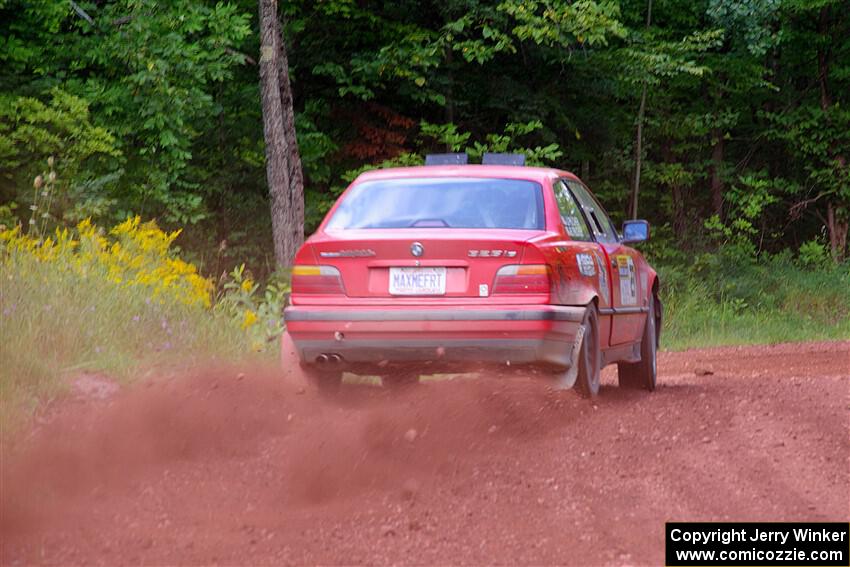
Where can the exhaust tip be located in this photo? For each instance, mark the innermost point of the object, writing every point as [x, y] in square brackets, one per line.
[335, 358]
[322, 358]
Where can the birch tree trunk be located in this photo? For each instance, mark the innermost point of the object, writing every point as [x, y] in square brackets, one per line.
[283, 163]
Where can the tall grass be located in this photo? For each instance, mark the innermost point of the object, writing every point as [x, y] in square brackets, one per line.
[724, 301]
[85, 301]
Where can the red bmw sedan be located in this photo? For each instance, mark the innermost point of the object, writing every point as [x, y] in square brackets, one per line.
[418, 270]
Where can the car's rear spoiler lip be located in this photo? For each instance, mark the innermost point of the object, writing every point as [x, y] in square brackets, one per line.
[533, 313]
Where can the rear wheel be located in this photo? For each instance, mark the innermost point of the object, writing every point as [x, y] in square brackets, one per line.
[589, 356]
[642, 375]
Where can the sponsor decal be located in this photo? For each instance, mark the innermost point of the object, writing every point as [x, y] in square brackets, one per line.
[628, 280]
[586, 265]
[573, 226]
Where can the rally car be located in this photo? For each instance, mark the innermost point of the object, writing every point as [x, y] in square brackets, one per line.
[418, 270]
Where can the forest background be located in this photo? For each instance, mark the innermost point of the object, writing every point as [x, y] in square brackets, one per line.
[725, 123]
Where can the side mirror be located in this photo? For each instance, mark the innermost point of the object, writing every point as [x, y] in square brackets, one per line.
[635, 231]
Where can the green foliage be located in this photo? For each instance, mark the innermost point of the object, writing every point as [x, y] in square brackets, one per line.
[719, 300]
[477, 37]
[146, 70]
[447, 137]
[751, 19]
[814, 254]
[315, 146]
[445, 134]
[814, 136]
[7, 215]
[159, 69]
[743, 230]
[257, 314]
[31, 131]
[556, 23]
[153, 108]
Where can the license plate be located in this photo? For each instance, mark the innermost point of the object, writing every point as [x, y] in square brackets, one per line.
[417, 281]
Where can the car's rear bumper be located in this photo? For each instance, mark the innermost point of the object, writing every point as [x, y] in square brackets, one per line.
[515, 334]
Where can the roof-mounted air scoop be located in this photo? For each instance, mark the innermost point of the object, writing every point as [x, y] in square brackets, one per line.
[503, 159]
[446, 159]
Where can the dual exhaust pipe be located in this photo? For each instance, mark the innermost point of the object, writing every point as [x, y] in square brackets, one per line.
[329, 358]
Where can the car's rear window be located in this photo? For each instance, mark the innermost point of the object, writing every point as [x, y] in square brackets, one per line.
[441, 203]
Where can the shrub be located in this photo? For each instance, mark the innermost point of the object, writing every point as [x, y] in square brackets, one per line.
[814, 254]
[86, 299]
[137, 256]
[259, 315]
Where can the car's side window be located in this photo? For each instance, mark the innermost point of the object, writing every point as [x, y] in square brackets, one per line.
[600, 223]
[574, 222]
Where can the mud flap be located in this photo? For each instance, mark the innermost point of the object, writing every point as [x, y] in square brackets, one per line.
[567, 380]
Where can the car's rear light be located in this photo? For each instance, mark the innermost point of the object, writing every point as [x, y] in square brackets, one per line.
[518, 278]
[316, 279]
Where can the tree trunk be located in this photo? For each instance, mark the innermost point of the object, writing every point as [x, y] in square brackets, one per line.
[639, 136]
[838, 228]
[717, 185]
[680, 218]
[450, 94]
[836, 225]
[638, 153]
[677, 194]
[286, 198]
[823, 63]
[293, 160]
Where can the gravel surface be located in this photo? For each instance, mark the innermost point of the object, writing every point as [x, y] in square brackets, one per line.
[232, 466]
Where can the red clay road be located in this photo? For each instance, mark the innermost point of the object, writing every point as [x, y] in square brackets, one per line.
[215, 467]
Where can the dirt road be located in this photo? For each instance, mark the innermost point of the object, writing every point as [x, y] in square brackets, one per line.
[220, 467]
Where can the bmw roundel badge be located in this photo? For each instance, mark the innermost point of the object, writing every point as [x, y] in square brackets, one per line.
[417, 249]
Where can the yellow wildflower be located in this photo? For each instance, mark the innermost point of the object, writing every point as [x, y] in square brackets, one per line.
[138, 255]
[249, 320]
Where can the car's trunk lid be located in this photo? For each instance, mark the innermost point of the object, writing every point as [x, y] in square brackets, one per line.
[385, 263]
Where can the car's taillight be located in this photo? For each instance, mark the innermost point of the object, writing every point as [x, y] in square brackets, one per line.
[531, 278]
[316, 279]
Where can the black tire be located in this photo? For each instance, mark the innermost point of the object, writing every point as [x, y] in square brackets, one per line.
[326, 380]
[589, 356]
[642, 375]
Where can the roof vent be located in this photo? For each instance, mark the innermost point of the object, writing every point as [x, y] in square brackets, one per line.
[503, 159]
[446, 159]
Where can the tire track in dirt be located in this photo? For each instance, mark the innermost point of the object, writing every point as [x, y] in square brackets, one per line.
[230, 465]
